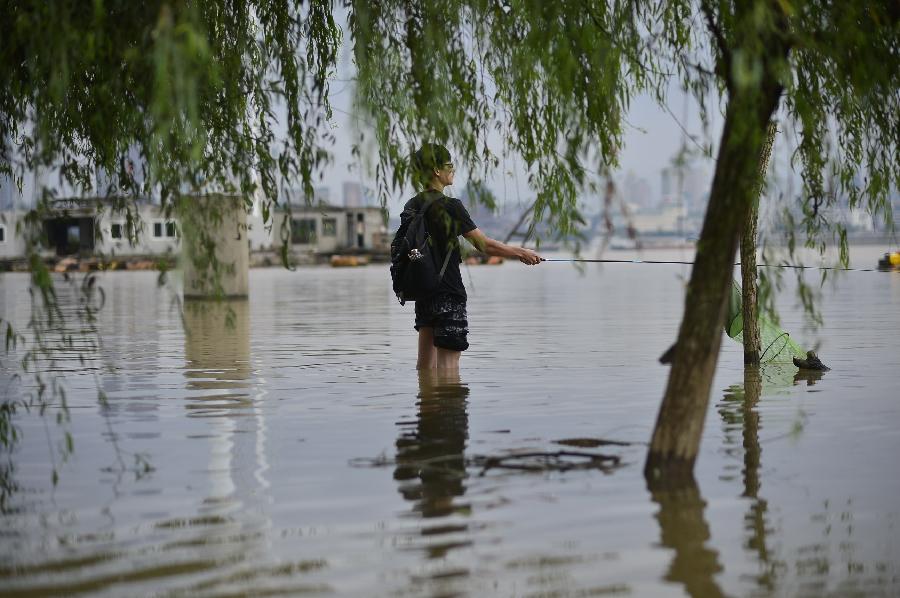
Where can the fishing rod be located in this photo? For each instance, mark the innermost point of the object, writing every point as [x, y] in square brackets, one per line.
[796, 267]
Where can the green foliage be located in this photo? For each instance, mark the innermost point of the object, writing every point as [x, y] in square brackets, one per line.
[211, 97]
[200, 90]
[195, 88]
[554, 81]
[843, 97]
[551, 79]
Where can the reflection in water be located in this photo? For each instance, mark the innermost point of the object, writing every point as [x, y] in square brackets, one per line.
[684, 529]
[217, 355]
[430, 452]
[739, 409]
[812, 563]
[681, 510]
[808, 376]
[217, 352]
[818, 503]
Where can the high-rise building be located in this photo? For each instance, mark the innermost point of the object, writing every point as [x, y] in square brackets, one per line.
[7, 193]
[685, 185]
[696, 188]
[322, 195]
[353, 195]
[636, 191]
[370, 197]
[296, 197]
[668, 184]
[128, 174]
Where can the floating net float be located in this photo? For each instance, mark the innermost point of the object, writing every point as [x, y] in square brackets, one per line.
[890, 261]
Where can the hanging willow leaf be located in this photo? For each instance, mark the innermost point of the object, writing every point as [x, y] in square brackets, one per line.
[234, 97]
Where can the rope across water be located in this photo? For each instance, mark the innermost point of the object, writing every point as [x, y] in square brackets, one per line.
[794, 266]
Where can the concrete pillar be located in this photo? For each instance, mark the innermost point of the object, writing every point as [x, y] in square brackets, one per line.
[215, 247]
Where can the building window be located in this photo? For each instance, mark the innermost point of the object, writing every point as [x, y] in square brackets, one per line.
[360, 230]
[122, 230]
[73, 236]
[2, 234]
[329, 227]
[164, 230]
[303, 231]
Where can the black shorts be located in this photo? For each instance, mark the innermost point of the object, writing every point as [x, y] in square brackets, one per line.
[447, 315]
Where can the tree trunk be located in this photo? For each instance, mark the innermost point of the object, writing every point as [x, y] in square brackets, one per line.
[749, 304]
[679, 426]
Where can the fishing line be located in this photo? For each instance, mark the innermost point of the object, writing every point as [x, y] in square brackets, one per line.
[796, 267]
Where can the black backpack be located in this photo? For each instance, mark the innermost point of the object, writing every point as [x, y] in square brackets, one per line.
[414, 270]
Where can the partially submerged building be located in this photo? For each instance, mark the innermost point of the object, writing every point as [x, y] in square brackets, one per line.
[86, 227]
[330, 229]
[11, 244]
[83, 227]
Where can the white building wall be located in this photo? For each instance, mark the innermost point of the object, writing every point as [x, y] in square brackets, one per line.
[12, 245]
[157, 236]
[860, 219]
[260, 234]
[668, 219]
[336, 228]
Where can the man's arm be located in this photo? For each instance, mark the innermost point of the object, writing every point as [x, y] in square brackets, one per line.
[489, 246]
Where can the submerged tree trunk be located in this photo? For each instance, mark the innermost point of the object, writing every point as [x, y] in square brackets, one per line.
[749, 304]
[679, 426]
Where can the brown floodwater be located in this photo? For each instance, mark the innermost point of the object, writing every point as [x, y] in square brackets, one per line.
[295, 450]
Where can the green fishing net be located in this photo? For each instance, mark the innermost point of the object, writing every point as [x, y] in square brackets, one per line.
[776, 345]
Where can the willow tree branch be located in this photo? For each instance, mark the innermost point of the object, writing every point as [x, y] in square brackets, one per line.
[723, 66]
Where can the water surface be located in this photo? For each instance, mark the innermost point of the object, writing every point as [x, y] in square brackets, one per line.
[296, 451]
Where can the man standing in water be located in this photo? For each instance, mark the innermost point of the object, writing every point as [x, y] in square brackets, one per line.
[441, 319]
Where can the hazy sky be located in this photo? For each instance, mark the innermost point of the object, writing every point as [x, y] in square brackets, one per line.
[652, 138]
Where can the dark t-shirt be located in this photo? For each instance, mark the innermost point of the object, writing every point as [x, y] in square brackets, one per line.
[446, 220]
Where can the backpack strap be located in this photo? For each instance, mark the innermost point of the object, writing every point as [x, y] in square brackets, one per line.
[444, 267]
[422, 209]
[428, 203]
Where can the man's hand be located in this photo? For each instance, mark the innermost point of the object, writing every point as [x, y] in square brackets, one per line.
[527, 256]
[490, 246]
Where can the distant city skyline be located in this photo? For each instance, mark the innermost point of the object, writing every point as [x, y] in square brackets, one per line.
[652, 139]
